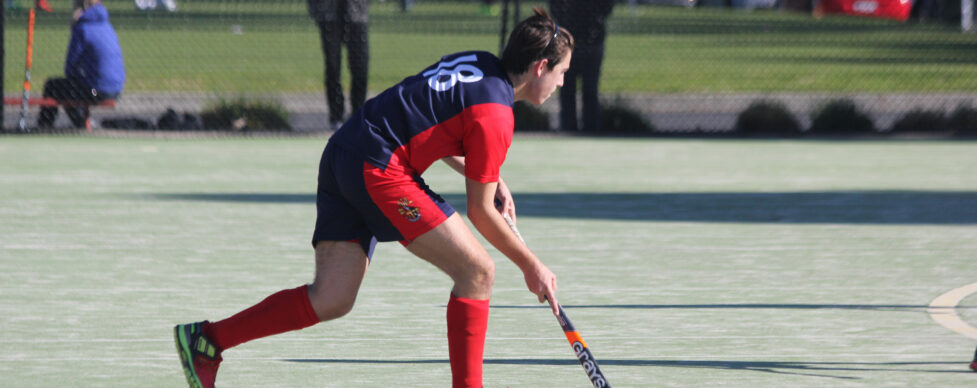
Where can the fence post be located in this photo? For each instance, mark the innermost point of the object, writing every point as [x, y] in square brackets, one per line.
[967, 15]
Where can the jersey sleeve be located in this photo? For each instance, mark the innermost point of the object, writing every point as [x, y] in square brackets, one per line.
[75, 48]
[488, 135]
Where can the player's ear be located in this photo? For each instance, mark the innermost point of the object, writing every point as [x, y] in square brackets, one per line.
[539, 67]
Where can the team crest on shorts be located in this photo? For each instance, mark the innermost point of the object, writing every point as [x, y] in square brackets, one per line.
[412, 213]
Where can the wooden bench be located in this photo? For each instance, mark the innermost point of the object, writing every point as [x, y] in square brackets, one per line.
[50, 102]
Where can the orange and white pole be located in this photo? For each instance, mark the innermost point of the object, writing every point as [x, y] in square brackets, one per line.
[22, 123]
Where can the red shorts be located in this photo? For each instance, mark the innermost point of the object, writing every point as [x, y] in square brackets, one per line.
[358, 201]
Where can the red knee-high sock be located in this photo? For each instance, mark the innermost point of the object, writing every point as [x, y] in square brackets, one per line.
[283, 311]
[467, 323]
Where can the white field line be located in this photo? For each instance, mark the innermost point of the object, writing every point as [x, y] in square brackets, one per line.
[943, 310]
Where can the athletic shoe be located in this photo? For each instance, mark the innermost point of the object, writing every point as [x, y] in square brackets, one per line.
[200, 357]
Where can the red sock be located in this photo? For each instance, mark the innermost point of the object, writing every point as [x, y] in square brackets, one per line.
[283, 311]
[467, 323]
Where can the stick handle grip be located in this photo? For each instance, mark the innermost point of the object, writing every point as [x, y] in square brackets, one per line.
[512, 225]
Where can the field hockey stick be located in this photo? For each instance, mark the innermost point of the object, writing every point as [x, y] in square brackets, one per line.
[580, 349]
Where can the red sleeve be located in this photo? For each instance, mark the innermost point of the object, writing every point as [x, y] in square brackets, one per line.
[487, 137]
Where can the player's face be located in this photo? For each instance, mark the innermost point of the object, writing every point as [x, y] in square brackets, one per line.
[549, 80]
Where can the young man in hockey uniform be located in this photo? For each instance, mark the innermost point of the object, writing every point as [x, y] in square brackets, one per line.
[458, 110]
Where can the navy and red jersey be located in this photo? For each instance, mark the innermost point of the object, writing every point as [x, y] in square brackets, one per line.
[460, 106]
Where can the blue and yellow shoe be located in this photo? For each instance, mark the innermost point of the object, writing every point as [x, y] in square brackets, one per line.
[200, 357]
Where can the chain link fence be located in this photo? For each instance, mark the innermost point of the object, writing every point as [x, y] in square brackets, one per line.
[683, 65]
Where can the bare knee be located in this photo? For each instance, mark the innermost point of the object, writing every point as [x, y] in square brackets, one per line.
[476, 281]
[330, 305]
[484, 274]
[454, 249]
[340, 267]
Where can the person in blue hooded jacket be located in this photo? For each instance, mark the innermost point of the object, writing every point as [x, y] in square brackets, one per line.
[94, 70]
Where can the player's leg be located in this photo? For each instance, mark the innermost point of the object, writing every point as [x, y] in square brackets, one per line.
[58, 89]
[340, 268]
[358, 50]
[591, 59]
[568, 100]
[62, 89]
[453, 248]
[402, 207]
[330, 35]
[77, 114]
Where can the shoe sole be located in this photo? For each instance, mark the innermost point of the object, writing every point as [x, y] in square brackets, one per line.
[186, 359]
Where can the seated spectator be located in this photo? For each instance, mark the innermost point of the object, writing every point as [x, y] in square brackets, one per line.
[93, 69]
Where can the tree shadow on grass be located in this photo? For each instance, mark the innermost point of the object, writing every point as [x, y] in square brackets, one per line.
[909, 207]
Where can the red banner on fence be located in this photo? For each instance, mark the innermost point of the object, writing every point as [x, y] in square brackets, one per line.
[889, 9]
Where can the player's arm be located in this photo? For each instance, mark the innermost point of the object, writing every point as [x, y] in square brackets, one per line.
[75, 50]
[456, 163]
[503, 196]
[489, 222]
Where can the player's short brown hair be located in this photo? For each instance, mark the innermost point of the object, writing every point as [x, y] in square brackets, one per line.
[537, 37]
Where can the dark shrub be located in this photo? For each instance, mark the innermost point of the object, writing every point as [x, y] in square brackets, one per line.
[618, 118]
[840, 117]
[127, 123]
[767, 118]
[530, 118]
[245, 115]
[963, 120]
[919, 120]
